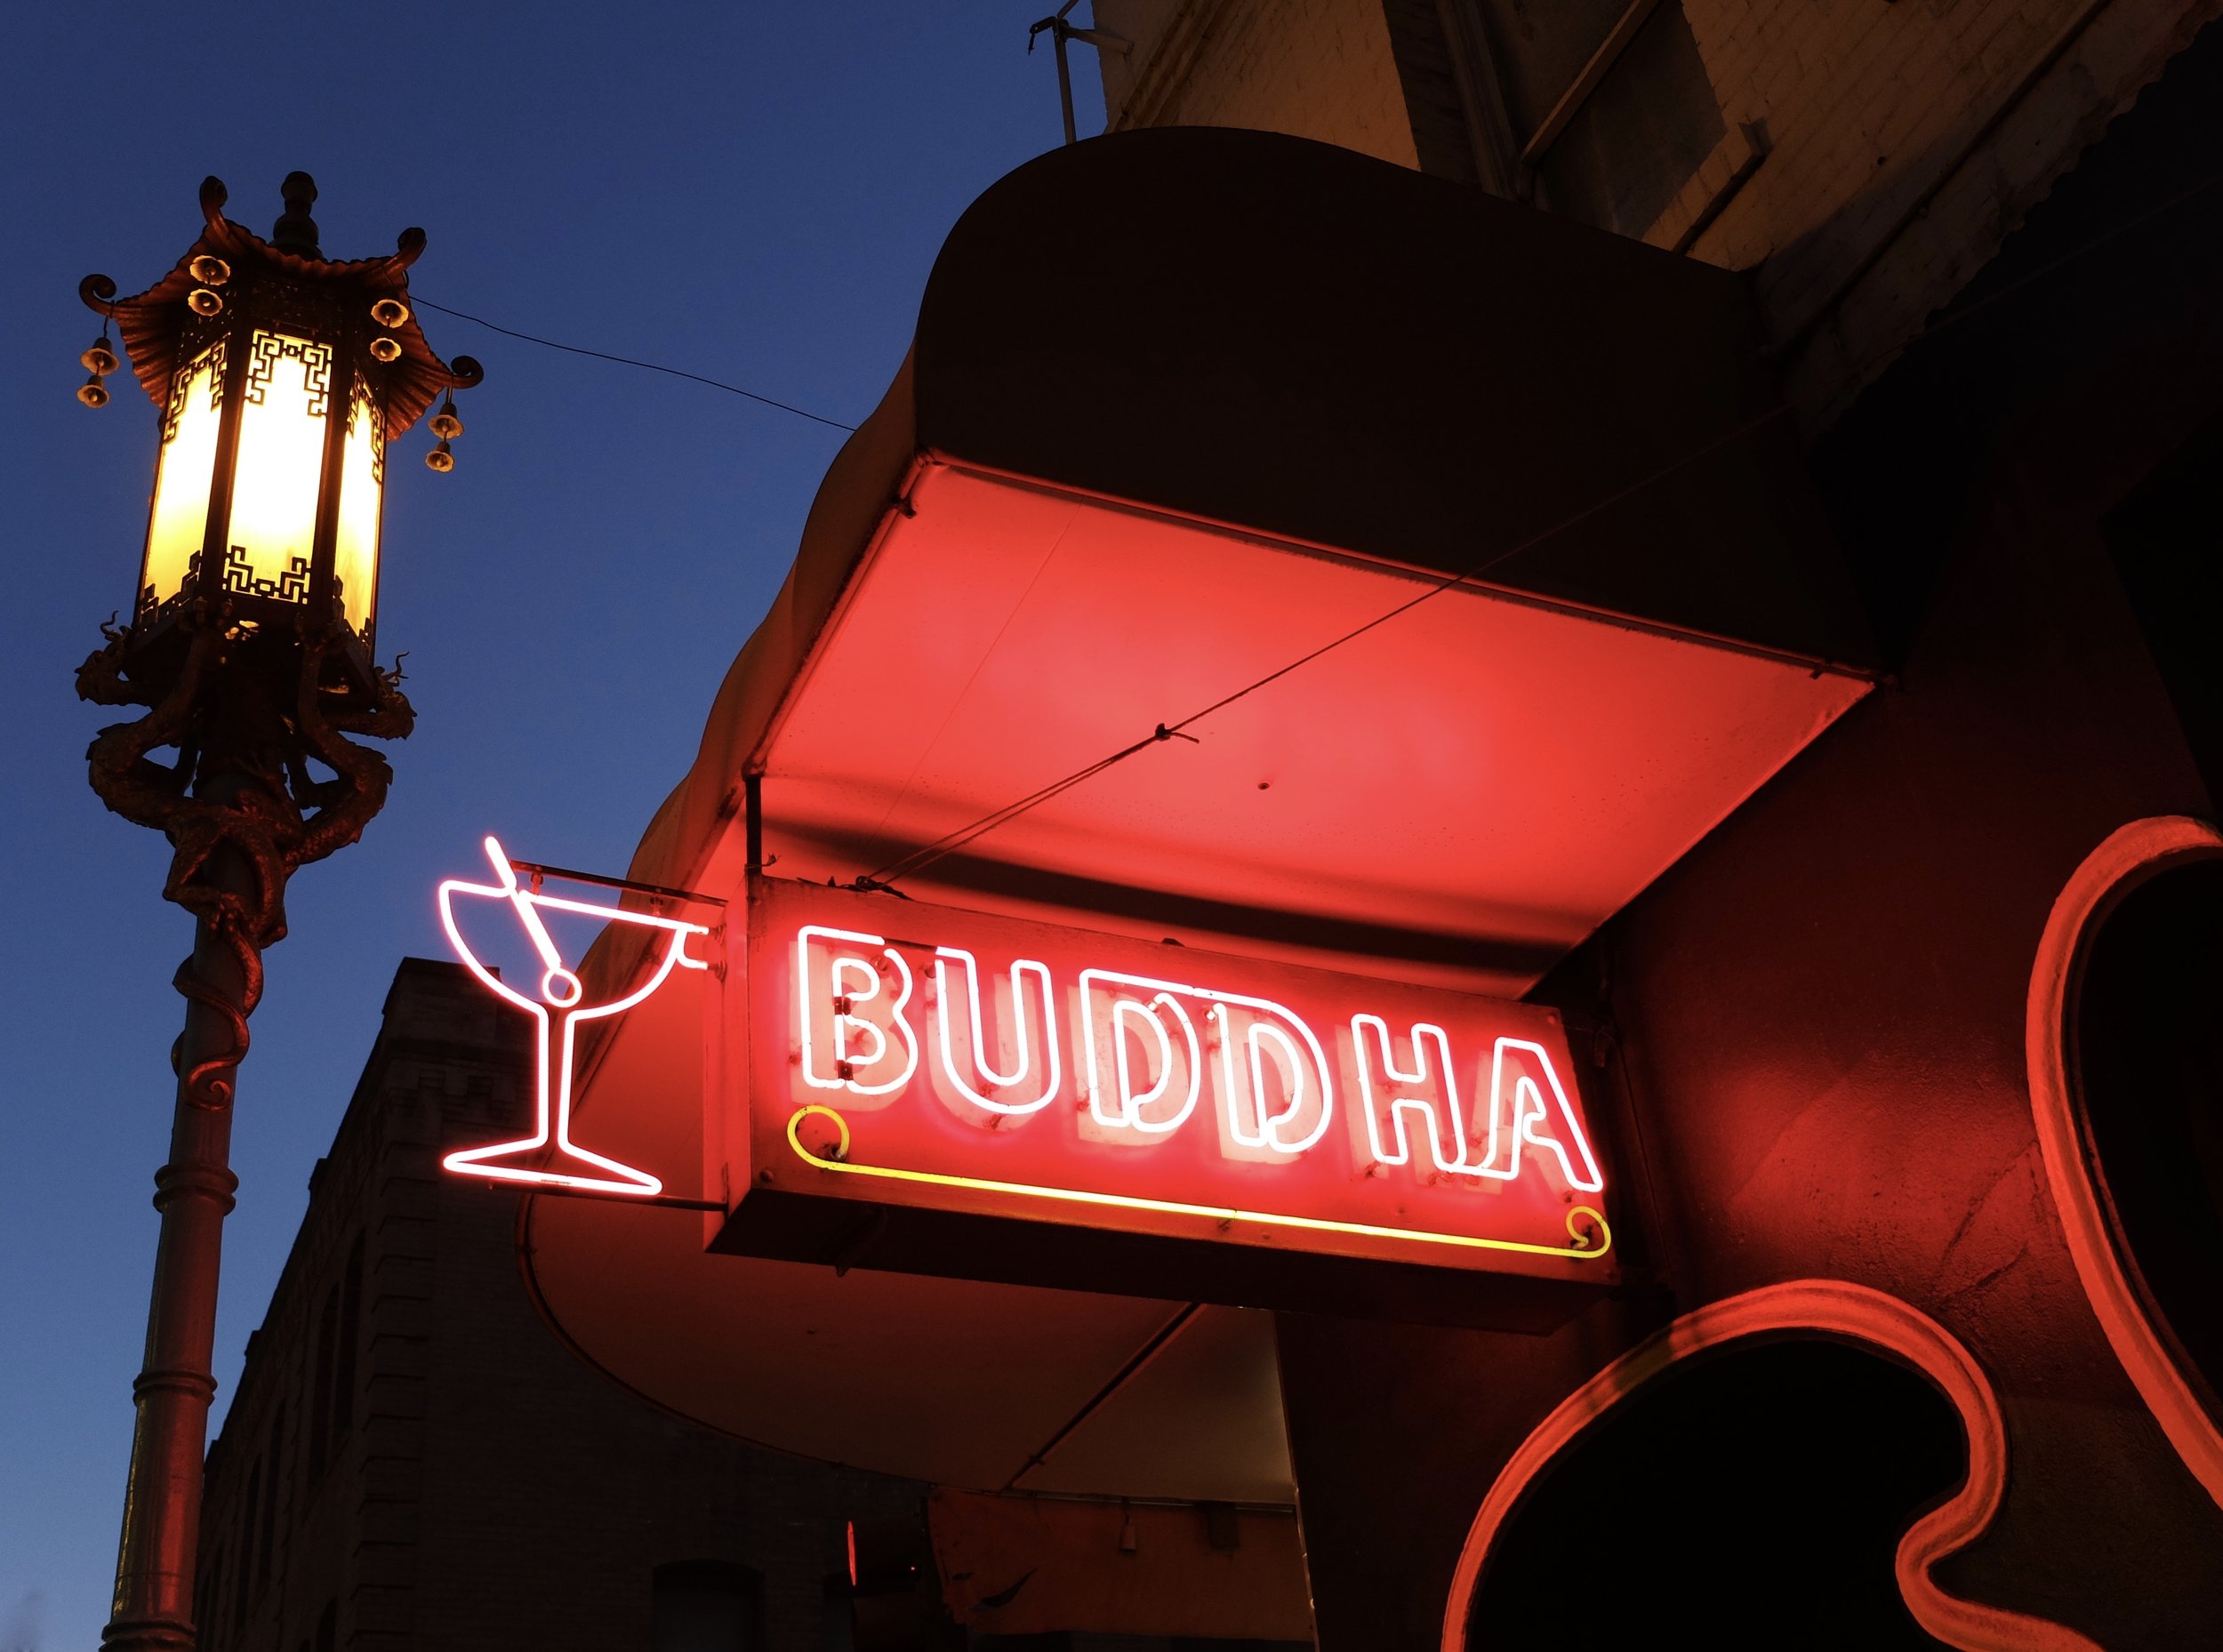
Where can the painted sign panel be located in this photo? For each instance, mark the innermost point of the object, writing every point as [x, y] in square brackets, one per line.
[921, 1057]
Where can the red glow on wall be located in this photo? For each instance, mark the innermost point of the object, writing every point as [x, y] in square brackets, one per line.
[910, 1055]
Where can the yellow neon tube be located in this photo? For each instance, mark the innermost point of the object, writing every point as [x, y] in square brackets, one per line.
[1166, 1207]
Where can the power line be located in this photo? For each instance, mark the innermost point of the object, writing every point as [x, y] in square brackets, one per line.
[949, 843]
[628, 361]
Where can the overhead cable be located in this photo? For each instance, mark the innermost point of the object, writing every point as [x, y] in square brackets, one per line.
[628, 361]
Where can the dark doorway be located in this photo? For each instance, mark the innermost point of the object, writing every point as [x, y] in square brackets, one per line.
[2145, 1043]
[707, 1606]
[1752, 1497]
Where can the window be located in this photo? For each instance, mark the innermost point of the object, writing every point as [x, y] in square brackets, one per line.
[1609, 102]
[350, 1334]
[320, 1386]
[206, 1596]
[239, 1580]
[269, 1503]
[706, 1605]
[332, 1387]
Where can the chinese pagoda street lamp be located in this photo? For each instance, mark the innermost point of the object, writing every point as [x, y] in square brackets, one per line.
[280, 377]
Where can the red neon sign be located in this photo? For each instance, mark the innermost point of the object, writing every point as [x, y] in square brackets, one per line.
[905, 1054]
[549, 1156]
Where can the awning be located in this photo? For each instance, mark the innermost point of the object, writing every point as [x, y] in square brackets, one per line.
[1477, 538]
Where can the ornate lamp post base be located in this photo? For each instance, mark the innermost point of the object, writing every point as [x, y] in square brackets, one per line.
[246, 713]
[154, 1586]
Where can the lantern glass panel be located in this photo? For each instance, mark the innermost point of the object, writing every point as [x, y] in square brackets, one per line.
[178, 529]
[362, 487]
[275, 478]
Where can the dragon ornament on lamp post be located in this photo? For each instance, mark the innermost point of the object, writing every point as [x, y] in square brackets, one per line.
[280, 377]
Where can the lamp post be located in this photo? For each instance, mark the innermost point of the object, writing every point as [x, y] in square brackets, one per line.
[280, 377]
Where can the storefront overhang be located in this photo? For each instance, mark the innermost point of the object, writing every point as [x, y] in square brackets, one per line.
[1478, 540]
[1185, 407]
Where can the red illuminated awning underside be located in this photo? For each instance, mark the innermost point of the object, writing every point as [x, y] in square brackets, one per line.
[1186, 408]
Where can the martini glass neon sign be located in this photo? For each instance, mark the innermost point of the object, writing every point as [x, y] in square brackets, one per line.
[549, 1156]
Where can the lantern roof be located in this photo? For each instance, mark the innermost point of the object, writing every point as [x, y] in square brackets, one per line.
[147, 321]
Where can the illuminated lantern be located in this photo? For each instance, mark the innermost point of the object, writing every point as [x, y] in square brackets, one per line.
[281, 378]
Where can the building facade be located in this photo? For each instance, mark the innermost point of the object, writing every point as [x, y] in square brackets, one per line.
[1879, 1025]
[1861, 160]
[414, 1460]
[1698, 519]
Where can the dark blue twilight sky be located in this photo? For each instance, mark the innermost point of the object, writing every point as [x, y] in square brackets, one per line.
[753, 191]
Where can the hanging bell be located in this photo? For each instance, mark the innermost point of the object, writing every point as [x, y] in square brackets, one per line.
[390, 312]
[92, 393]
[445, 424]
[203, 302]
[209, 271]
[386, 350]
[100, 358]
[439, 459]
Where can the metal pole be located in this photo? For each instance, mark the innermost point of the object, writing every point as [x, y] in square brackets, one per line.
[752, 807]
[245, 715]
[153, 1607]
[1058, 32]
[261, 685]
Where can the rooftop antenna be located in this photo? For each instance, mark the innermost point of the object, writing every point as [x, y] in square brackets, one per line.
[1061, 31]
